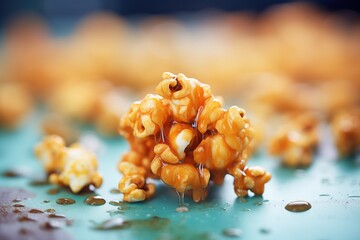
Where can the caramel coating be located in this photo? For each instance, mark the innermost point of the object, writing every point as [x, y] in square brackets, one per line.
[346, 130]
[184, 95]
[249, 178]
[72, 166]
[184, 137]
[296, 142]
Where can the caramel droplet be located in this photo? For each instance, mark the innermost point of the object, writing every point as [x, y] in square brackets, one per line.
[114, 191]
[53, 191]
[65, 201]
[16, 210]
[95, 200]
[18, 205]
[298, 206]
[114, 203]
[50, 210]
[35, 211]
[26, 219]
[54, 215]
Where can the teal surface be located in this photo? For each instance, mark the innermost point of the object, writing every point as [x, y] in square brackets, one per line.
[332, 187]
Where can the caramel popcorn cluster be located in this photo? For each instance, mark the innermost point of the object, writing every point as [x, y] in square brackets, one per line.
[295, 143]
[346, 130]
[72, 166]
[185, 137]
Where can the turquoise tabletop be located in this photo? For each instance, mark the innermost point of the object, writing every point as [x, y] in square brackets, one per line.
[330, 185]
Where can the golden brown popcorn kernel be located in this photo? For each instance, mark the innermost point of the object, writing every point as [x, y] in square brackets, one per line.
[346, 130]
[209, 115]
[184, 177]
[49, 152]
[253, 179]
[295, 143]
[72, 166]
[184, 95]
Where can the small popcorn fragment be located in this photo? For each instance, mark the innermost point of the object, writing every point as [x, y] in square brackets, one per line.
[346, 130]
[73, 166]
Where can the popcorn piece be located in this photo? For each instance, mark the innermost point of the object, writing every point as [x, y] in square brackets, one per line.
[185, 138]
[15, 103]
[346, 130]
[49, 153]
[295, 143]
[72, 166]
[249, 178]
[185, 95]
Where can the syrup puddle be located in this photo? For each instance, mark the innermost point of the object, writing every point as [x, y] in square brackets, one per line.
[298, 206]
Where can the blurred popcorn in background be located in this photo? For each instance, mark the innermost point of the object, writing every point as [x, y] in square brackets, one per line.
[288, 58]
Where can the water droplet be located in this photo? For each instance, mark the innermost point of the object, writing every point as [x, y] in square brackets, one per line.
[232, 232]
[35, 211]
[54, 215]
[65, 201]
[298, 206]
[26, 219]
[95, 200]
[16, 210]
[114, 203]
[114, 191]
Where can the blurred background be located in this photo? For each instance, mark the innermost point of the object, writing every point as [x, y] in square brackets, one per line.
[86, 61]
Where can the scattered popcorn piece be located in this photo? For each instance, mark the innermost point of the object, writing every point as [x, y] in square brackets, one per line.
[15, 104]
[249, 178]
[346, 131]
[295, 143]
[72, 166]
[184, 137]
